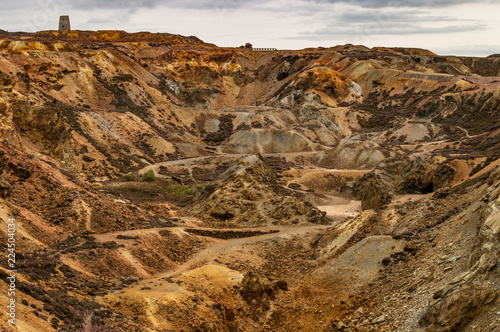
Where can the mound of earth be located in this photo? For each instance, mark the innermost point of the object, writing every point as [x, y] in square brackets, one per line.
[355, 153]
[322, 84]
[250, 195]
[269, 141]
[359, 264]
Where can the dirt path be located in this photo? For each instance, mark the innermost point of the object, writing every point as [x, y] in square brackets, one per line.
[221, 247]
[225, 246]
[190, 161]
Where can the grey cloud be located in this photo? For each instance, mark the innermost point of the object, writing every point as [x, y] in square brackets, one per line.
[394, 29]
[362, 23]
[391, 16]
[112, 4]
[185, 4]
[405, 3]
[223, 4]
[232, 4]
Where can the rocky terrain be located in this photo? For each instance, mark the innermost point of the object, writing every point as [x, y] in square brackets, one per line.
[160, 183]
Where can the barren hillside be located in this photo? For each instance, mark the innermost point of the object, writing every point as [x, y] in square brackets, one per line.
[160, 183]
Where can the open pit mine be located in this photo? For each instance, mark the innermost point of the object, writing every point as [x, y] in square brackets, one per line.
[155, 182]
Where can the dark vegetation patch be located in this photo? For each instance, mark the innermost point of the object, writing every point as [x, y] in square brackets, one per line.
[180, 249]
[180, 176]
[295, 186]
[56, 204]
[225, 131]
[123, 78]
[68, 310]
[126, 237]
[69, 116]
[477, 113]
[489, 66]
[194, 95]
[358, 55]
[209, 174]
[121, 101]
[90, 245]
[278, 164]
[485, 144]
[38, 266]
[228, 234]
[46, 268]
[382, 116]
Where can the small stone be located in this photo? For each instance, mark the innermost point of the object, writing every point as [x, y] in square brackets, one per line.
[88, 158]
[454, 259]
[487, 262]
[379, 319]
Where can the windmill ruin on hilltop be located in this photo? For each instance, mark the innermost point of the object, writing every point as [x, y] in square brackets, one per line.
[64, 23]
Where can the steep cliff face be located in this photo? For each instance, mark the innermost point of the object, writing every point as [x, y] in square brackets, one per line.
[169, 184]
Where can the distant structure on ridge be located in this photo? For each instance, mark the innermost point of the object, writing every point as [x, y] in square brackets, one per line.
[64, 23]
[249, 47]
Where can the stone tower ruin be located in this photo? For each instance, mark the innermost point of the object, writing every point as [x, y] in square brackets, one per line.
[64, 23]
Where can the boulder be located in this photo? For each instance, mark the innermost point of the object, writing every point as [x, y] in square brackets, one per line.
[374, 190]
[456, 309]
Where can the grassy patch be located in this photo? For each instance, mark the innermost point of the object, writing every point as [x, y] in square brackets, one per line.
[159, 190]
[130, 177]
[149, 176]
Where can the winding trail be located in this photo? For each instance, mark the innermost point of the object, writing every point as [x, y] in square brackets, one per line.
[225, 246]
[190, 161]
[219, 246]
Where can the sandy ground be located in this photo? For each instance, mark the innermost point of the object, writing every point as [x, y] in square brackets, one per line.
[339, 208]
[411, 197]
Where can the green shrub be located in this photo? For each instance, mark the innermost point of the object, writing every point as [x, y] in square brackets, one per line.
[150, 176]
[201, 187]
[185, 191]
[180, 191]
[130, 177]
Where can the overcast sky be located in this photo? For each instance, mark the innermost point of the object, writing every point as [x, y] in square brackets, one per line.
[459, 27]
